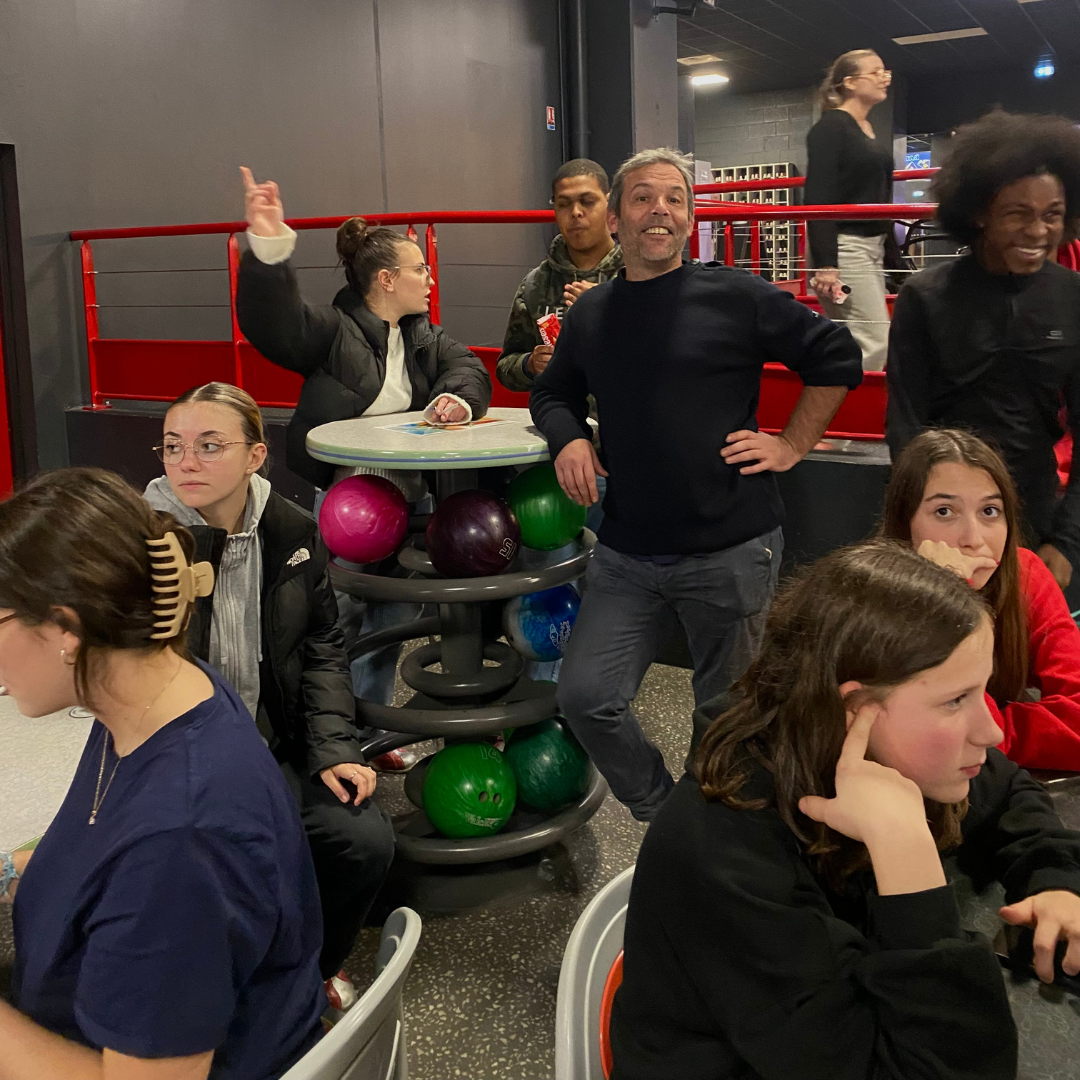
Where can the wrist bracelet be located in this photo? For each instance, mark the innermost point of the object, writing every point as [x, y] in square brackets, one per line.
[8, 873]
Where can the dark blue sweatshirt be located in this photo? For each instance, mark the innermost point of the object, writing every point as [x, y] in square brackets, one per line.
[675, 366]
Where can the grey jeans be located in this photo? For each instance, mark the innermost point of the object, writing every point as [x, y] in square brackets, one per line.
[721, 600]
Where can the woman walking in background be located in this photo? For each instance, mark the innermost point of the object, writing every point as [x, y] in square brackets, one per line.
[846, 163]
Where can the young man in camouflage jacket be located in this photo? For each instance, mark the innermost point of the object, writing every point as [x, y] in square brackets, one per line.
[581, 256]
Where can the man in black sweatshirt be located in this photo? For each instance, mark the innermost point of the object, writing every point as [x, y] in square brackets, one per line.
[673, 354]
[991, 342]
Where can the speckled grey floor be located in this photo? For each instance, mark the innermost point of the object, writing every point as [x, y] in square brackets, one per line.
[37, 760]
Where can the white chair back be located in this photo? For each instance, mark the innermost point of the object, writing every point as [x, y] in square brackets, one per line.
[593, 947]
[368, 1043]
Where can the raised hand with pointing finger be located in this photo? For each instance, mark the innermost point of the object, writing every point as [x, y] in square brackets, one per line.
[262, 205]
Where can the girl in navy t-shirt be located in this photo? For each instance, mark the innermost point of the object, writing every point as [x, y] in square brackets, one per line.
[168, 923]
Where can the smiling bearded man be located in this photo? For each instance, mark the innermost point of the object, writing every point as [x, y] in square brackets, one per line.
[673, 354]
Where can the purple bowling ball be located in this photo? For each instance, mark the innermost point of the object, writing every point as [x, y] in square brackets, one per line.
[364, 518]
[472, 534]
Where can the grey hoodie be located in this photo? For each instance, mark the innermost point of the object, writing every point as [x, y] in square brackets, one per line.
[236, 626]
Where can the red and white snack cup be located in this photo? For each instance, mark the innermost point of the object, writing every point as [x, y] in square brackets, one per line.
[549, 325]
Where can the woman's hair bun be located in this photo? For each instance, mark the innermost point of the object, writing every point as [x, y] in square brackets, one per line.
[350, 238]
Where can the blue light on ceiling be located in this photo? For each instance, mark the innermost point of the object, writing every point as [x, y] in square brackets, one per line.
[1044, 68]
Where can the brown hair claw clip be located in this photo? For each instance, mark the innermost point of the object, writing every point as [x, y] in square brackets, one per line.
[175, 584]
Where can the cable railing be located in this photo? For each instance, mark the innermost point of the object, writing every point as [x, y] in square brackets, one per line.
[779, 183]
[160, 369]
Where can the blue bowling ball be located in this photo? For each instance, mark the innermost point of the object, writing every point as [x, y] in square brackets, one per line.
[538, 625]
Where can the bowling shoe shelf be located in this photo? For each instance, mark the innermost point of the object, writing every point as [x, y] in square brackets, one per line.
[480, 690]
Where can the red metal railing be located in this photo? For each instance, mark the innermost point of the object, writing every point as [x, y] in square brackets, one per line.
[161, 369]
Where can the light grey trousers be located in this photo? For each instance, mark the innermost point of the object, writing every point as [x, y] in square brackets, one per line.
[864, 311]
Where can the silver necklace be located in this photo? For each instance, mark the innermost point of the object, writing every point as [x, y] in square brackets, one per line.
[99, 795]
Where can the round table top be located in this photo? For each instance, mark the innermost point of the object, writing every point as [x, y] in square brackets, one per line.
[402, 441]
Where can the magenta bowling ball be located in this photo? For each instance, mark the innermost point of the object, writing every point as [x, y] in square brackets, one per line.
[472, 534]
[364, 518]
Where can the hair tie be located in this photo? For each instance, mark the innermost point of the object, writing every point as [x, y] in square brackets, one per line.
[175, 584]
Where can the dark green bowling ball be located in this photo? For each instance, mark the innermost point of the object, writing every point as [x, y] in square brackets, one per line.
[468, 790]
[549, 764]
[548, 518]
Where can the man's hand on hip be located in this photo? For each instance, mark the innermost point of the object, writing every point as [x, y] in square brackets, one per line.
[577, 467]
[766, 453]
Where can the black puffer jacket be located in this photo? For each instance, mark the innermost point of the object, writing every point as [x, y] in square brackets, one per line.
[341, 352]
[305, 691]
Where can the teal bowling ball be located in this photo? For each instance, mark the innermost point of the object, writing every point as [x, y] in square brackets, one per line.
[549, 764]
[468, 790]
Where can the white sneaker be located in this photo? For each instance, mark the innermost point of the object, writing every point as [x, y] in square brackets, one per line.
[341, 992]
[395, 761]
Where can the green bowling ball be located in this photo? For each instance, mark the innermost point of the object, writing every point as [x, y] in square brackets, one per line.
[549, 764]
[548, 518]
[468, 790]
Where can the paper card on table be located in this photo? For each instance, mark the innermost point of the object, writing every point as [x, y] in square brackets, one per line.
[422, 427]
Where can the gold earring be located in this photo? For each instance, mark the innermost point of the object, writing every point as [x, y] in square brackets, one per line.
[63, 656]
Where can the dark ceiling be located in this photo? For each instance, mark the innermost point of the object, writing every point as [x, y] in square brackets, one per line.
[772, 44]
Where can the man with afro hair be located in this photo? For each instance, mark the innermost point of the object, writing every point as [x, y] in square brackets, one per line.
[991, 341]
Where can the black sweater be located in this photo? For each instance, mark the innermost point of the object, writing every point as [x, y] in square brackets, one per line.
[675, 366]
[844, 166]
[998, 354]
[739, 962]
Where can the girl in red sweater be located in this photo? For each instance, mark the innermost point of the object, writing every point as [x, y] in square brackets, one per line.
[952, 498]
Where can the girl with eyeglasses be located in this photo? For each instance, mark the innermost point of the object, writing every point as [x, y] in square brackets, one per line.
[270, 627]
[167, 924]
[847, 163]
[372, 352]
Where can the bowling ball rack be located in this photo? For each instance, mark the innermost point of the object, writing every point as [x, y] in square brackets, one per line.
[466, 698]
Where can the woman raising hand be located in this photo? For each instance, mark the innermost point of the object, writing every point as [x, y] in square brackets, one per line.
[372, 352]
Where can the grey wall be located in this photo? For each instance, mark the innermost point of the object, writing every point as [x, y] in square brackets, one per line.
[752, 129]
[138, 113]
[656, 91]
[633, 80]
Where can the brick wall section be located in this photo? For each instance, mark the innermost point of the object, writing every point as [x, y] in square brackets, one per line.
[753, 129]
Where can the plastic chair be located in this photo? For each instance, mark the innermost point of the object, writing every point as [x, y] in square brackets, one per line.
[587, 982]
[368, 1043]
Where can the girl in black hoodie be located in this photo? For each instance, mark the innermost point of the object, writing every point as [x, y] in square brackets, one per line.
[790, 916]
